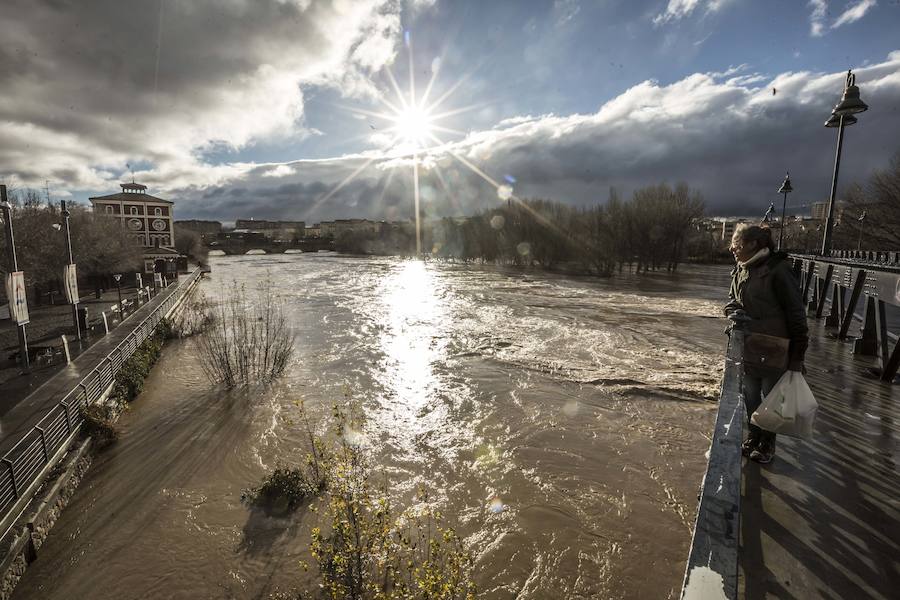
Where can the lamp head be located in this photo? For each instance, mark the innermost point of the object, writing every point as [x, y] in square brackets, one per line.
[117, 277]
[786, 185]
[835, 120]
[56, 226]
[850, 102]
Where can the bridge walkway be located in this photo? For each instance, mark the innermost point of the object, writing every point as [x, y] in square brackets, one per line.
[823, 519]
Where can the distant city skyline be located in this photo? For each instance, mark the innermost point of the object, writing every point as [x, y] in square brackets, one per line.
[287, 110]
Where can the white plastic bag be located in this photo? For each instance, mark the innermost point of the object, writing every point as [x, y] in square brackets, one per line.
[789, 408]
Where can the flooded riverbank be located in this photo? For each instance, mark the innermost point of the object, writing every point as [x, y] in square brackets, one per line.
[559, 423]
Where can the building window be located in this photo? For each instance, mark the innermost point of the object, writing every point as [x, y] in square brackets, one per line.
[109, 209]
[157, 211]
[134, 210]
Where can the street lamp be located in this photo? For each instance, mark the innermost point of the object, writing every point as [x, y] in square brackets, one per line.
[769, 211]
[861, 219]
[74, 301]
[784, 189]
[118, 278]
[12, 297]
[841, 116]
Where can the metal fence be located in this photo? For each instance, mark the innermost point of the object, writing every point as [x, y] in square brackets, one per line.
[25, 464]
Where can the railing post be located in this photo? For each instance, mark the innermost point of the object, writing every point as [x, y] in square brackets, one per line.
[43, 443]
[837, 300]
[66, 408]
[12, 476]
[865, 344]
[824, 291]
[851, 305]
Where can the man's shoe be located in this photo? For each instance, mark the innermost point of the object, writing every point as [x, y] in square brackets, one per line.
[763, 454]
[749, 446]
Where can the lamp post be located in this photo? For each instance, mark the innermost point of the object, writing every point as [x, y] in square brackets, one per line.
[784, 189]
[14, 267]
[769, 212]
[861, 219]
[65, 215]
[118, 278]
[841, 117]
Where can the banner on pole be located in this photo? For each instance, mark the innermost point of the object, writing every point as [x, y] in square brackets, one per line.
[138, 282]
[15, 291]
[70, 278]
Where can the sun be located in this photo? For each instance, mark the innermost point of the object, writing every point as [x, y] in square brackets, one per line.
[412, 125]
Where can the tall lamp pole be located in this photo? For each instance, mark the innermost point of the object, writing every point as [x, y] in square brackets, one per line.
[74, 301]
[14, 267]
[784, 189]
[861, 219]
[841, 116]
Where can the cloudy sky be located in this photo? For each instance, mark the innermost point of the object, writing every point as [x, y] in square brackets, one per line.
[301, 109]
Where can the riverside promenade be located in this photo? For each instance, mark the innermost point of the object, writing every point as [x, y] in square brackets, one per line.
[823, 519]
[19, 420]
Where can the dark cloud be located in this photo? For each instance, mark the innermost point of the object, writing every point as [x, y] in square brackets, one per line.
[726, 136]
[89, 86]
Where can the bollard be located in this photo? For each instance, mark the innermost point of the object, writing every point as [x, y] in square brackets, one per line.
[65, 344]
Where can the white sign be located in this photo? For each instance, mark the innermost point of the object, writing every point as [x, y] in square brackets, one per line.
[70, 279]
[15, 291]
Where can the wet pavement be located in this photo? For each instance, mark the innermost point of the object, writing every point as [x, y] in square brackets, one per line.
[823, 519]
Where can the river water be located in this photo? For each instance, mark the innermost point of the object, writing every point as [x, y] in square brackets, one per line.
[558, 422]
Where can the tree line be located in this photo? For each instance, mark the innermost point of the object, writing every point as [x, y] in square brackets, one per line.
[655, 229]
[100, 246]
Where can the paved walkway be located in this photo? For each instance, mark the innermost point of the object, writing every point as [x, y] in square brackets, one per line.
[823, 519]
[26, 413]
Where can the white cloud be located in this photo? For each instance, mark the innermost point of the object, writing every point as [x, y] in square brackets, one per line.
[680, 9]
[854, 12]
[817, 17]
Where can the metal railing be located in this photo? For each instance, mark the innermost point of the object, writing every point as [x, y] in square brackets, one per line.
[22, 468]
[712, 567]
[846, 282]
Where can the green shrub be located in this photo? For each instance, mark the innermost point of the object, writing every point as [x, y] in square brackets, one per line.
[98, 425]
[371, 553]
[129, 380]
[284, 489]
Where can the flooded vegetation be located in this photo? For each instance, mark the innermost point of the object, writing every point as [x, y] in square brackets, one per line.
[556, 424]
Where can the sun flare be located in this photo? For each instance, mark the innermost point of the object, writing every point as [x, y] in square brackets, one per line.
[413, 126]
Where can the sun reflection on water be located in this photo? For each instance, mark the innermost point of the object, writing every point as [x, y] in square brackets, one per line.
[413, 337]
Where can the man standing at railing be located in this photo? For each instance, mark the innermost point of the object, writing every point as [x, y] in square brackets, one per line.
[764, 291]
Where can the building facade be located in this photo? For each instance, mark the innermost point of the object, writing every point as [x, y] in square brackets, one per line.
[149, 221]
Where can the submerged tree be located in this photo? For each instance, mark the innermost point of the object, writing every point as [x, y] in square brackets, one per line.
[247, 339]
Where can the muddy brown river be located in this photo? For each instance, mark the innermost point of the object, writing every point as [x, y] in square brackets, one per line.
[558, 422]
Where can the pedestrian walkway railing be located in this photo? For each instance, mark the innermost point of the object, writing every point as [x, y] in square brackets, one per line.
[842, 283]
[712, 567]
[872, 257]
[25, 464]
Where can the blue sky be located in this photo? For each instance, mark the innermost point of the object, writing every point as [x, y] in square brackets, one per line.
[262, 108]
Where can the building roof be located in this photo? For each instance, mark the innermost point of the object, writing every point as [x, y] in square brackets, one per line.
[129, 197]
[160, 252]
[138, 194]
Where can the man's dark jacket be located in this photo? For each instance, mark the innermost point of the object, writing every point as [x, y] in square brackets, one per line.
[770, 295]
